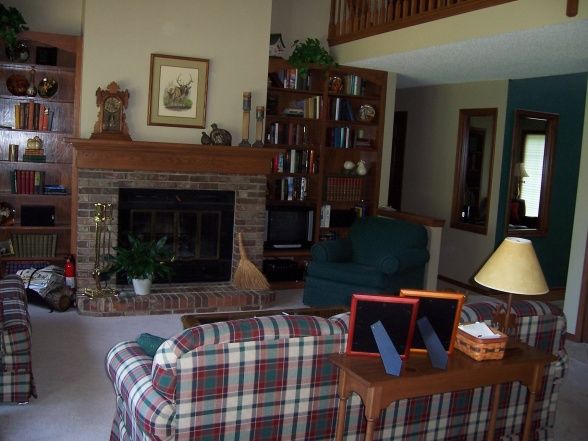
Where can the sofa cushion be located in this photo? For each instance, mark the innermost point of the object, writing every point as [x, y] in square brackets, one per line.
[150, 343]
[165, 362]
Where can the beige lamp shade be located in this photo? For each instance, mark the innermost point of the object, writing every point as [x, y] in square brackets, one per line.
[520, 171]
[513, 268]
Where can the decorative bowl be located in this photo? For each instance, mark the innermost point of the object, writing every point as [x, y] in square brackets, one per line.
[47, 87]
[17, 84]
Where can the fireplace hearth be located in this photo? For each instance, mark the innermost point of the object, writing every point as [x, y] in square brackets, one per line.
[103, 168]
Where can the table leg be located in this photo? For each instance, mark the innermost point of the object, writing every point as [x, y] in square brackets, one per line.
[369, 429]
[340, 428]
[493, 412]
[533, 388]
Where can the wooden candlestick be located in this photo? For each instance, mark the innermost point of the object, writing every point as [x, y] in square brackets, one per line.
[259, 111]
[246, 111]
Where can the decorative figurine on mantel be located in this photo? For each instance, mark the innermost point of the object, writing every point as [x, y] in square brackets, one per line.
[217, 136]
[111, 123]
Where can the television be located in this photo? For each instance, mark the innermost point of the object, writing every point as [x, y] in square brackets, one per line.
[288, 227]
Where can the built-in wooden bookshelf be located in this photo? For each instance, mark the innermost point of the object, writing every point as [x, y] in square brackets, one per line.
[44, 179]
[324, 120]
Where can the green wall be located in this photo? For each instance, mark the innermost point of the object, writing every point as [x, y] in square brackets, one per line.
[564, 95]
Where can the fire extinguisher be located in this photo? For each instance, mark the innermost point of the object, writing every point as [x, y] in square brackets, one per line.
[69, 271]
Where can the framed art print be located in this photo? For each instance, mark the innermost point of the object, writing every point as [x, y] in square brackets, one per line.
[443, 309]
[398, 316]
[177, 91]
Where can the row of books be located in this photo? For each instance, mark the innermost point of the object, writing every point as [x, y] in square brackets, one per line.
[27, 181]
[288, 133]
[290, 79]
[307, 108]
[291, 188]
[346, 138]
[295, 161]
[33, 116]
[341, 110]
[353, 85]
[34, 245]
[344, 189]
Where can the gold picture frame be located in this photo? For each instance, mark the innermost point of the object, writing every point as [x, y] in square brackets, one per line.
[177, 91]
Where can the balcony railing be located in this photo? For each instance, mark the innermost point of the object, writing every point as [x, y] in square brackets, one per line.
[356, 19]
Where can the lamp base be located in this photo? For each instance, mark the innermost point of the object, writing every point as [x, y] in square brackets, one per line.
[499, 319]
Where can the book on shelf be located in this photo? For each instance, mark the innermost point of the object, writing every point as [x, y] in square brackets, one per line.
[295, 161]
[32, 115]
[27, 181]
[341, 110]
[325, 216]
[343, 188]
[291, 188]
[54, 189]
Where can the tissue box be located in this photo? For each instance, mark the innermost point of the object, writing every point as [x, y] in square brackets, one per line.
[481, 348]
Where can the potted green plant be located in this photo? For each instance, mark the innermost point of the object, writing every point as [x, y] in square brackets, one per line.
[310, 52]
[143, 260]
[12, 23]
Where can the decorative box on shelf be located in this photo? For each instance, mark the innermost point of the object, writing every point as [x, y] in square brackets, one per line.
[481, 348]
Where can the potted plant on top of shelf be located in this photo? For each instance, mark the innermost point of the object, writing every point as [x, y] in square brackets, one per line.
[12, 23]
[310, 52]
[142, 261]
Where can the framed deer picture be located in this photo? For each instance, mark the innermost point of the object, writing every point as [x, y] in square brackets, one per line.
[177, 91]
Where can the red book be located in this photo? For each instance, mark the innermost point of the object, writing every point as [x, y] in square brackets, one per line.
[31, 115]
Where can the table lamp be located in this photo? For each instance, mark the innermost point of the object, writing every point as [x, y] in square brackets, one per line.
[514, 269]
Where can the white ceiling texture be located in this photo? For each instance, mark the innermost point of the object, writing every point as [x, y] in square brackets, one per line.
[551, 50]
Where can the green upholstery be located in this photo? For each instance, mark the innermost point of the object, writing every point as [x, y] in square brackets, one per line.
[380, 255]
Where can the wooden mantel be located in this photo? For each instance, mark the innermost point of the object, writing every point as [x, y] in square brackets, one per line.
[170, 157]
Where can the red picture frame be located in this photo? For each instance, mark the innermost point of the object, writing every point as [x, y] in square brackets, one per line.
[443, 309]
[397, 314]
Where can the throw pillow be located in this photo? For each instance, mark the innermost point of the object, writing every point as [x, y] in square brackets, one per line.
[150, 343]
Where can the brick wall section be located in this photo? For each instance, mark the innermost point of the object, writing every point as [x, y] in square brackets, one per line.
[101, 186]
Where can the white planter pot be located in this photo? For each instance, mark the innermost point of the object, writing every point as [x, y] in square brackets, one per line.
[142, 286]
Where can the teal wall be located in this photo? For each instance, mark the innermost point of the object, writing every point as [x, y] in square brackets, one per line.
[564, 95]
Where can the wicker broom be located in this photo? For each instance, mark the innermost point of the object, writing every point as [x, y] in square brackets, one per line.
[247, 276]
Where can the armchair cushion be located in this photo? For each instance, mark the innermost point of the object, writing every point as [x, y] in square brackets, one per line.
[332, 251]
[350, 274]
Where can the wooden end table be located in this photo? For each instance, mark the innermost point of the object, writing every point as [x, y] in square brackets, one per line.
[365, 376]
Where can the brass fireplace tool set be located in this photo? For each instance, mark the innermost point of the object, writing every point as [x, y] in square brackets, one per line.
[102, 247]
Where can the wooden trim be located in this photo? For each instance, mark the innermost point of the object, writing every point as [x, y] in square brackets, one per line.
[410, 217]
[412, 20]
[581, 333]
[170, 157]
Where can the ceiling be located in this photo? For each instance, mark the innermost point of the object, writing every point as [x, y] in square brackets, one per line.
[551, 50]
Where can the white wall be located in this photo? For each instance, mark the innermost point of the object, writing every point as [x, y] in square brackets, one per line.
[119, 38]
[299, 20]
[431, 146]
[55, 16]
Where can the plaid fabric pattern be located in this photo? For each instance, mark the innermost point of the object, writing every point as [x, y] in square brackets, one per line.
[269, 379]
[16, 377]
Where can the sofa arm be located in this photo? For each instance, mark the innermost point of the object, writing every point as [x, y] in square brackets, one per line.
[129, 369]
[338, 250]
[403, 261]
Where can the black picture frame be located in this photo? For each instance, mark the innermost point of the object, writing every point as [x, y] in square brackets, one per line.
[443, 309]
[46, 55]
[398, 316]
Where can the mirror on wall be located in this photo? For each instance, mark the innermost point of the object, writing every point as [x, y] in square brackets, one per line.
[533, 147]
[473, 169]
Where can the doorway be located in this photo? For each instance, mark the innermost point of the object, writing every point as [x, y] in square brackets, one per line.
[397, 160]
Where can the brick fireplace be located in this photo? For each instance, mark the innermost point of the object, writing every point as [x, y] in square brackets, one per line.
[102, 167]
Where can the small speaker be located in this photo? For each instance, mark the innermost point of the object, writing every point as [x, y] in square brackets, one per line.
[37, 215]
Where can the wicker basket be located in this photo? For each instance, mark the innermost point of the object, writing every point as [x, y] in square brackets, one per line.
[481, 348]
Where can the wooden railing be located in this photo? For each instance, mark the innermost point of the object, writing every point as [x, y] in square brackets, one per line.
[356, 19]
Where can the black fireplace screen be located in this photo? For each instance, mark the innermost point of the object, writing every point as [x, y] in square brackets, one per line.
[197, 223]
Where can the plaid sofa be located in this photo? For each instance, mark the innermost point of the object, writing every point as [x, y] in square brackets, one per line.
[16, 375]
[269, 378]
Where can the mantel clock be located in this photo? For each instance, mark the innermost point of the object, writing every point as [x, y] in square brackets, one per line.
[111, 123]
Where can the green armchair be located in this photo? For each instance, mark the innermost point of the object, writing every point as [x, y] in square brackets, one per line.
[380, 255]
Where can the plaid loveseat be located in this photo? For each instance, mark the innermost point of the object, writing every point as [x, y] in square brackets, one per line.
[269, 378]
[16, 375]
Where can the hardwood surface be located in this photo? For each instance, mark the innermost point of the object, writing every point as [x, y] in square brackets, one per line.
[366, 377]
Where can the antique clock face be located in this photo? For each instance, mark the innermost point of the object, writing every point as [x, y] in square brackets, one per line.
[111, 114]
[111, 121]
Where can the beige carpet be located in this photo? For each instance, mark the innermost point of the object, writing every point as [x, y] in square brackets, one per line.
[76, 400]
